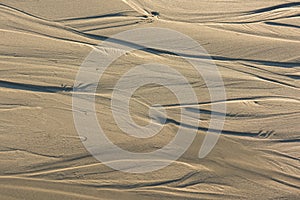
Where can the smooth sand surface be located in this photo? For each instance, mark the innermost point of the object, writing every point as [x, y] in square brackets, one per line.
[255, 45]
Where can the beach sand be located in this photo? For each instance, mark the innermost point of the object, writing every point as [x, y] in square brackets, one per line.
[254, 44]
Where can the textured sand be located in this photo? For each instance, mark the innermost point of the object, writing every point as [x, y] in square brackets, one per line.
[256, 46]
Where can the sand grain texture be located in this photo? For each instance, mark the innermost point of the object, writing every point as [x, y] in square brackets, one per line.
[256, 46]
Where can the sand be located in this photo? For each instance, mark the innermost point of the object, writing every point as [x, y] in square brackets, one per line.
[255, 46]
